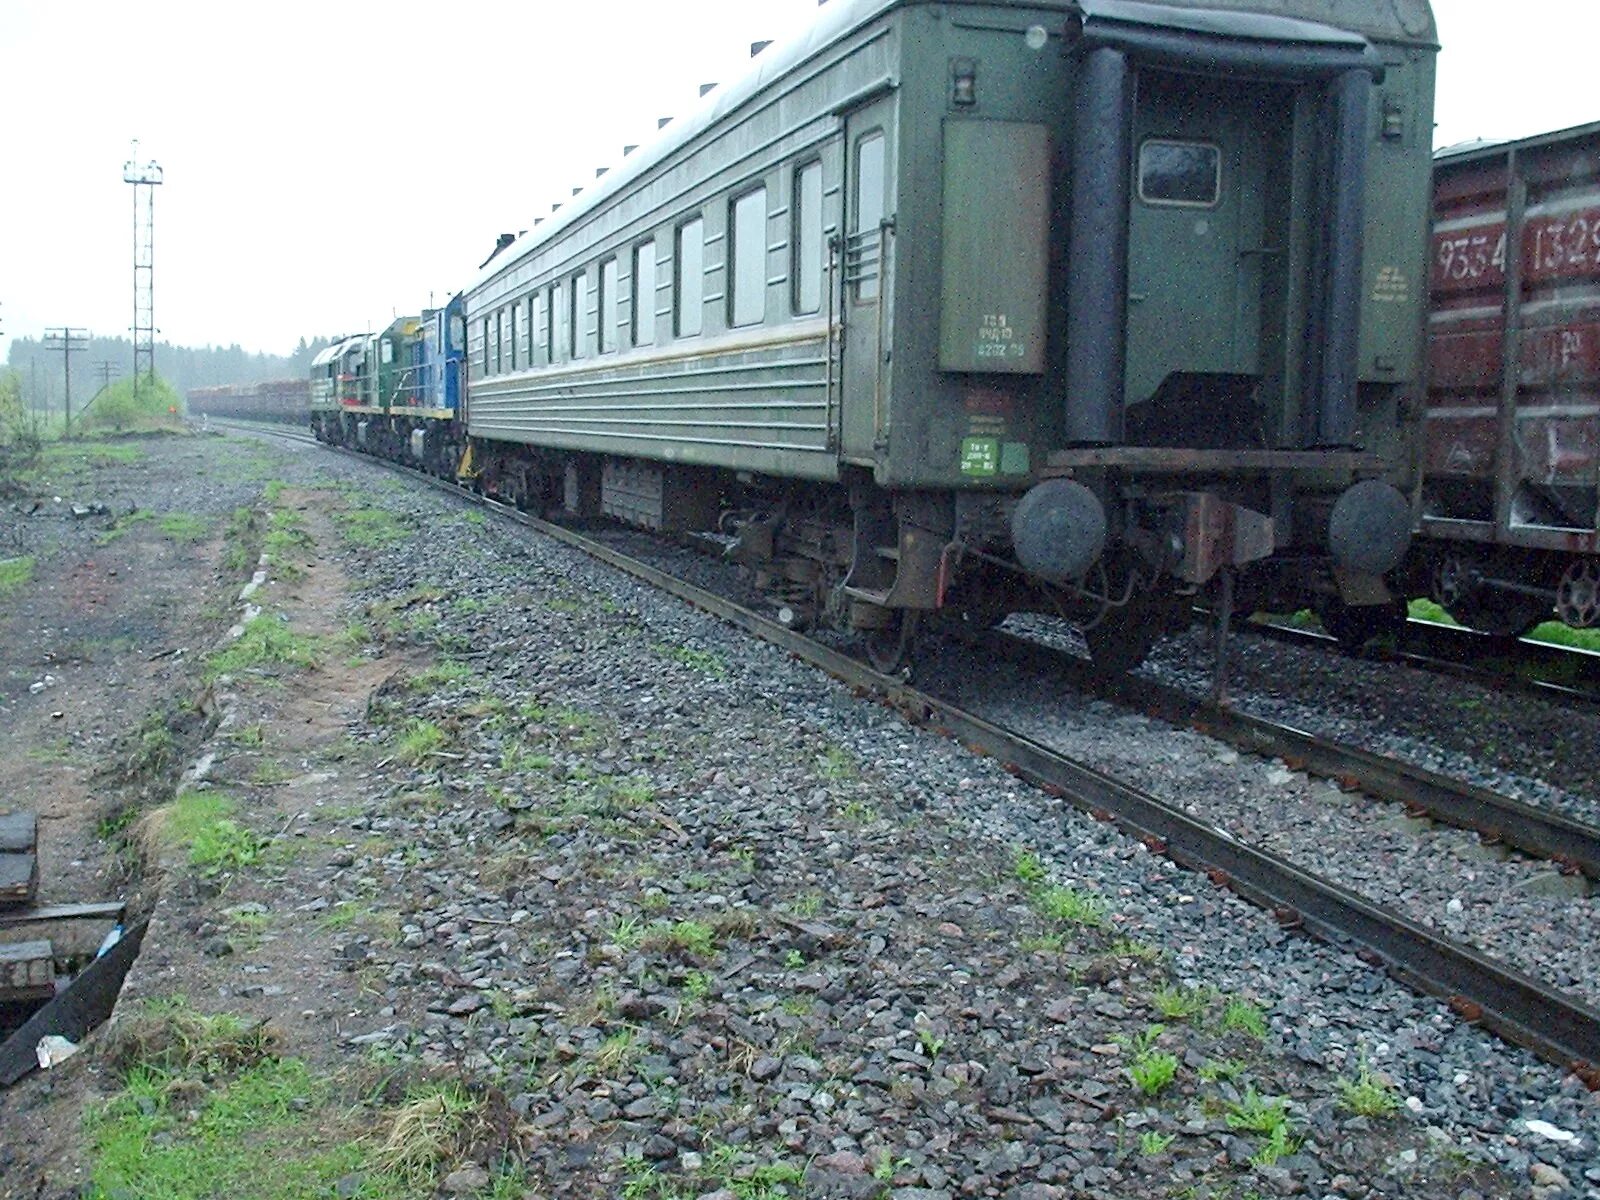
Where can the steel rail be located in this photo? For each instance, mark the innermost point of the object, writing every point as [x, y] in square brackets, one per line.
[1559, 1028]
[1535, 830]
[1553, 673]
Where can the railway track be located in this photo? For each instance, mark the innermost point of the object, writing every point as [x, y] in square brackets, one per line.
[1556, 1026]
[1542, 669]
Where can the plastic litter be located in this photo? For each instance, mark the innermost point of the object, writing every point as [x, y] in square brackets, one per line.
[110, 940]
[53, 1049]
[1553, 1133]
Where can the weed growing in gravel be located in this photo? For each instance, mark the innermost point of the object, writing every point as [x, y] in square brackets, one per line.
[1219, 1069]
[654, 902]
[1257, 1113]
[1367, 1095]
[615, 1050]
[373, 528]
[266, 641]
[697, 985]
[14, 573]
[808, 905]
[185, 527]
[858, 812]
[1071, 906]
[1027, 867]
[703, 661]
[1048, 943]
[1153, 1143]
[837, 763]
[419, 741]
[286, 541]
[794, 960]
[1138, 951]
[1245, 1016]
[441, 675]
[1180, 1003]
[270, 774]
[689, 937]
[626, 932]
[1151, 1069]
[123, 524]
[1278, 1144]
[252, 736]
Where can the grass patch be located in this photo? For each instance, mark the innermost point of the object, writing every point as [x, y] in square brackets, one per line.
[371, 527]
[1027, 867]
[202, 823]
[185, 527]
[837, 763]
[426, 1132]
[1244, 1016]
[1070, 906]
[1367, 1095]
[266, 641]
[703, 661]
[688, 937]
[14, 573]
[440, 675]
[286, 540]
[122, 524]
[419, 741]
[1180, 1003]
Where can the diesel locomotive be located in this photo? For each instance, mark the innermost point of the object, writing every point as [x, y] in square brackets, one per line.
[1082, 306]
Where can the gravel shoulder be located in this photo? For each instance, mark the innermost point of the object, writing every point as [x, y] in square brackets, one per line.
[699, 922]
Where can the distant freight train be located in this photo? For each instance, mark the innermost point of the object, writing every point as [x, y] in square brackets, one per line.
[287, 400]
[1080, 306]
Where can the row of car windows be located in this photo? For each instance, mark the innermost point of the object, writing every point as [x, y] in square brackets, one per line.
[579, 316]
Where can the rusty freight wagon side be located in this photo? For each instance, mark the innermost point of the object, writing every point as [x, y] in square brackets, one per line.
[287, 400]
[1510, 515]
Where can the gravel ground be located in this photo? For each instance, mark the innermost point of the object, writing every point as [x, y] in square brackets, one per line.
[695, 896]
[1533, 750]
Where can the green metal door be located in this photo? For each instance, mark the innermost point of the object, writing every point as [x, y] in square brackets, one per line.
[1198, 247]
[866, 263]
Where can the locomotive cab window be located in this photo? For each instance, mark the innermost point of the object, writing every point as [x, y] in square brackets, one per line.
[1182, 174]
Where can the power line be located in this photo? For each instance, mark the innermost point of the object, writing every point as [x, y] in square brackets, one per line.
[69, 341]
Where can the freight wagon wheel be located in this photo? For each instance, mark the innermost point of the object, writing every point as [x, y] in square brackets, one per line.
[1354, 625]
[1578, 594]
[889, 648]
[1124, 637]
[1507, 616]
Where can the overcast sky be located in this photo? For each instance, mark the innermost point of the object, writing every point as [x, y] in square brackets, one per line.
[329, 163]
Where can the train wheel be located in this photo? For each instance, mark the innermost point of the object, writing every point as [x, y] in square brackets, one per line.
[1124, 637]
[1578, 594]
[1507, 616]
[889, 648]
[1354, 625]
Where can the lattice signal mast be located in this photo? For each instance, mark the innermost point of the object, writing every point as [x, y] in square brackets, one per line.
[145, 177]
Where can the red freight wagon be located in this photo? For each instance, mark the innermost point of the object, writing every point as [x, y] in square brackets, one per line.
[1510, 442]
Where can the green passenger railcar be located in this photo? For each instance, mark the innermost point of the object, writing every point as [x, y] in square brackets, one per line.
[1079, 306]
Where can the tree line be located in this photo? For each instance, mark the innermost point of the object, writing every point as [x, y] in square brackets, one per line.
[39, 375]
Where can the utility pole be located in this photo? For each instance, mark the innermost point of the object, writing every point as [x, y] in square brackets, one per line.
[69, 341]
[107, 370]
[145, 178]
